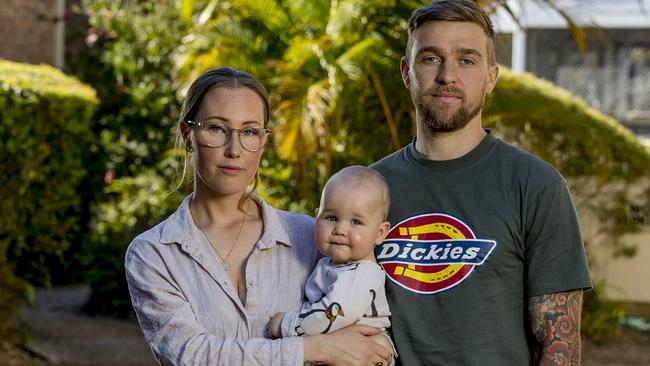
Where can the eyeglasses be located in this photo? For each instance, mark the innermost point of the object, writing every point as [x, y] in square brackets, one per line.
[215, 134]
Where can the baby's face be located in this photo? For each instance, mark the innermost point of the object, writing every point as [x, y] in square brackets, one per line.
[349, 222]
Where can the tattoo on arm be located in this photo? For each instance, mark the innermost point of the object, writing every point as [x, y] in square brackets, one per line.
[555, 325]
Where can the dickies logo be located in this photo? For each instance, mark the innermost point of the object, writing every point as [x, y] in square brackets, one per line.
[431, 253]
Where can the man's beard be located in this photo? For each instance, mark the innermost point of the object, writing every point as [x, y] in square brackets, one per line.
[438, 118]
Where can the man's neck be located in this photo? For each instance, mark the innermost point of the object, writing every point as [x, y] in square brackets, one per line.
[448, 145]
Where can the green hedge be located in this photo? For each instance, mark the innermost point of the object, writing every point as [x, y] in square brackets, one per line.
[563, 130]
[45, 119]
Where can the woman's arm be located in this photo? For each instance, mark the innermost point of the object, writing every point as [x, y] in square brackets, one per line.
[352, 345]
[171, 327]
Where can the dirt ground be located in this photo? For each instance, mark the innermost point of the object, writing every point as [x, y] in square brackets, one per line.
[62, 335]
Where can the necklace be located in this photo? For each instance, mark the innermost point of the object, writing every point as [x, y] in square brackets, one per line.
[224, 260]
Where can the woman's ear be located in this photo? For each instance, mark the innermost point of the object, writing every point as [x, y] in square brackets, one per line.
[185, 133]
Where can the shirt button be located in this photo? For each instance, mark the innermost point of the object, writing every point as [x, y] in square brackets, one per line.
[251, 284]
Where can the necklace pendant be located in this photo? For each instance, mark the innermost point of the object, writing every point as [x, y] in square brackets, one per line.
[226, 265]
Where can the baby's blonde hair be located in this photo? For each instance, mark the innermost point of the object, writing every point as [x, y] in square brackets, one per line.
[358, 175]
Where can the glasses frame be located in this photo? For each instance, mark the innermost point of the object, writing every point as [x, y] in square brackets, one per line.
[229, 132]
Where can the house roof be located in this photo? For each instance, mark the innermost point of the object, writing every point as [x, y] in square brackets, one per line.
[619, 14]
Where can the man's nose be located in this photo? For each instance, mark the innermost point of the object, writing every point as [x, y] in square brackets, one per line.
[446, 73]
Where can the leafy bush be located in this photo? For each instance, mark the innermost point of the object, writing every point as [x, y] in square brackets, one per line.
[45, 118]
[132, 205]
[14, 292]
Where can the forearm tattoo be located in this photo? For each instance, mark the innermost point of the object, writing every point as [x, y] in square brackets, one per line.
[555, 324]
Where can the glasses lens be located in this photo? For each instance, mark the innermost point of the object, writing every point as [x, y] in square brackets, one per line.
[252, 139]
[214, 134]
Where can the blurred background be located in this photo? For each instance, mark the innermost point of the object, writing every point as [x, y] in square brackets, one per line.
[90, 91]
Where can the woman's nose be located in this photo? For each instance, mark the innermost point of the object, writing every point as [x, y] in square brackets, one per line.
[233, 147]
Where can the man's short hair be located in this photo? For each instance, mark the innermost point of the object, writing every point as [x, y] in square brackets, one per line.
[453, 11]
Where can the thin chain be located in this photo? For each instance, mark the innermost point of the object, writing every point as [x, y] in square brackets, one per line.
[224, 260]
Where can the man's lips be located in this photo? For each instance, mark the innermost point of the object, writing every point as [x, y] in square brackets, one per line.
[447, 98]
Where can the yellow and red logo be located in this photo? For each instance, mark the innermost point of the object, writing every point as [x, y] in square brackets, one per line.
[431, 253]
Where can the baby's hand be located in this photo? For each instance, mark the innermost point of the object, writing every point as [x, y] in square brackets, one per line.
[274, 326]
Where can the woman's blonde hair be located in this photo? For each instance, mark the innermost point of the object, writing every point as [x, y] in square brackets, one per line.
[223, 77]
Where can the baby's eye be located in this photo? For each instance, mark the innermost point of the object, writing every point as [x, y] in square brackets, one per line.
[356, 222]
[331, 218]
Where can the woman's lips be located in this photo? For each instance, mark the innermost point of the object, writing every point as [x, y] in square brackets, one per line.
[230, 170]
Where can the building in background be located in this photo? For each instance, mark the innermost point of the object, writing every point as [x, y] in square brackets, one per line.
[33, 31]
[612, 75]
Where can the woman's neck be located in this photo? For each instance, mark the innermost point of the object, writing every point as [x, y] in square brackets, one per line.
[208, 209]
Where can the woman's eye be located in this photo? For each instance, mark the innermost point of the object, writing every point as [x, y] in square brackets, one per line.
[215, 129]
[250, 132]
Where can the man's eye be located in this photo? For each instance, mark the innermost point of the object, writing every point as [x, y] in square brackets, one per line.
[431, 60]
[467, 61]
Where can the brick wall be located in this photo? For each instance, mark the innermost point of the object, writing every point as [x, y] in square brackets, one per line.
[27, 30]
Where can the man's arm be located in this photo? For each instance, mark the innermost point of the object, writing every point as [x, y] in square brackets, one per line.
[555, 325]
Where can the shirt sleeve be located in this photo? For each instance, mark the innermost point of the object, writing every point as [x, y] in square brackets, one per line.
[347, 295]
[555, 254]
[171, 327]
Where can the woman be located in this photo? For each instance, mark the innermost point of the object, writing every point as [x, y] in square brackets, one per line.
[205, 282]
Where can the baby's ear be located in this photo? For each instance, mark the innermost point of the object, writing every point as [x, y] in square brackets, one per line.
[316, 212]
[382, 231]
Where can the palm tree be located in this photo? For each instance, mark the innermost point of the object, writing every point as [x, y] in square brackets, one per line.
[320, 59]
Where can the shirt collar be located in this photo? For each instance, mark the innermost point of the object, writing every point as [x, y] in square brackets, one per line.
[178, 226]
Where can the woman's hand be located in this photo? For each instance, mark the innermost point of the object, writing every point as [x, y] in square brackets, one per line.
[350, 346]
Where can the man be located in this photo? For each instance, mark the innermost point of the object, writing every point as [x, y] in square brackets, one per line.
[485, 258]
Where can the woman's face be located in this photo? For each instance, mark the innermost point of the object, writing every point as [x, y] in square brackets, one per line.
[228, 169]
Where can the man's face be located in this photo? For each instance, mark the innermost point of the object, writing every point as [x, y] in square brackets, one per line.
[448, 74]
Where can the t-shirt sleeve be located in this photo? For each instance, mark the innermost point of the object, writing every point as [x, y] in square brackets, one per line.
[554, 251]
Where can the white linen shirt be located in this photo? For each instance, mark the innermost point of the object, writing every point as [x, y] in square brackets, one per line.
[190, 312]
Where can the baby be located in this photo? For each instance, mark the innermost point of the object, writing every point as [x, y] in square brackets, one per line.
[347, 285]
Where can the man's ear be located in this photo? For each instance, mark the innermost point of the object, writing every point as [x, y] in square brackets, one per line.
[382, 231]
[493, 76]
[404, 69]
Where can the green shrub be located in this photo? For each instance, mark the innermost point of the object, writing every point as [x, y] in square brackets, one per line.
[14, 292]
[45, 118]
[132, 205]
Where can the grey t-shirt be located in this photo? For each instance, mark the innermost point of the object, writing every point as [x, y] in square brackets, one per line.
[471, 239]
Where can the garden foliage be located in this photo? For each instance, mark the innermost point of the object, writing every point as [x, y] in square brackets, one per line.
[45, 119]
